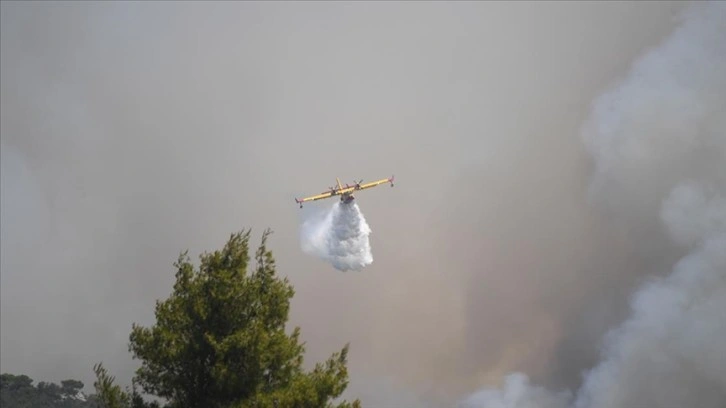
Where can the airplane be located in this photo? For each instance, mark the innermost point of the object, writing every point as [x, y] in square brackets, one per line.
[345, 193]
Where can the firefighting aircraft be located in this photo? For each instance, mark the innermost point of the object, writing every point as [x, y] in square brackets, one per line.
[345, 193]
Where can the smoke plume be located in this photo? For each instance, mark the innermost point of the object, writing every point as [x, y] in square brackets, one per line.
[518, 392]
[339, 236]
[133, 130]
[658, 140]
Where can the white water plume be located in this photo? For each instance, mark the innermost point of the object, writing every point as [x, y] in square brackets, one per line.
[339, 236]
[659, 144]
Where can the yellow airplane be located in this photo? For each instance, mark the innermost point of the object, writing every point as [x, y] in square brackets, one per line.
[345, 193]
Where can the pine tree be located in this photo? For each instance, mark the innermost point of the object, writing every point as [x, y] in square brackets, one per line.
[219, 340]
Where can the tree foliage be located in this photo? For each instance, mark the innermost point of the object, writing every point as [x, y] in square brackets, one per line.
[18, 391]
[109, 394]
[219, 340]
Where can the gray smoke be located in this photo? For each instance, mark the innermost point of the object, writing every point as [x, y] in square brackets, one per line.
[131, 131]
[520, 393]
[339, 236]
[658, 140]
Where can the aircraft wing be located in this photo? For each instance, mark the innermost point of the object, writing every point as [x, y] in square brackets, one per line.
[376, 183]
[314, 198]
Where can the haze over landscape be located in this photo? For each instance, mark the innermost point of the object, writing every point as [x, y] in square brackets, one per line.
[552, 162]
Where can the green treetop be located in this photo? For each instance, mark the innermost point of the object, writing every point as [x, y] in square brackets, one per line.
[219, 340]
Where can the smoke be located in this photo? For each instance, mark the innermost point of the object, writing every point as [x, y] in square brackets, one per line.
[339, 236]
[519, 393]
[658, 140]
[131, 131]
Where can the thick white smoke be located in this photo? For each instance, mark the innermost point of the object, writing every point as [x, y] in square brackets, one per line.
[339, 236]
[658, 140]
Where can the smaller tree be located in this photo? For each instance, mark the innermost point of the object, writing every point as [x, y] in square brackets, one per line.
[18, 391]
[108, 394]
[71, 387]
[15, 382]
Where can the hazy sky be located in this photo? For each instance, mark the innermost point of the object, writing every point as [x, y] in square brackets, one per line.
[132, 131]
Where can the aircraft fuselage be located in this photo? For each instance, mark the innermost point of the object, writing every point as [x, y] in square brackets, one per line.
[346, 198]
